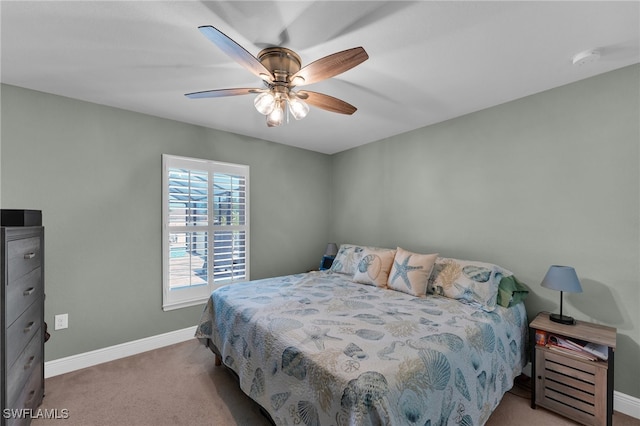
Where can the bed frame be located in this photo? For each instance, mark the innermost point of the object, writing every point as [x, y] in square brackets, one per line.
[218, 362]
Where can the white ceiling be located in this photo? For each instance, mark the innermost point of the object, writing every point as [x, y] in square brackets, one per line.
[428, 61]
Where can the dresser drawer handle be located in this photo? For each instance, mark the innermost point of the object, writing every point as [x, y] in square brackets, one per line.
[28, 327]
[30, 255]
[28, 291]
[28, 364]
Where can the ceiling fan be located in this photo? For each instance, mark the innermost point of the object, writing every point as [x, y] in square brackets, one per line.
[281, 71]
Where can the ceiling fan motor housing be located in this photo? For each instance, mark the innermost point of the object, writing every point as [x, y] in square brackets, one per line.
[282, 62]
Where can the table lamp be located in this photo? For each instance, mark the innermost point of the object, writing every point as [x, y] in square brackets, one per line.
[329, 254]
[562, 278]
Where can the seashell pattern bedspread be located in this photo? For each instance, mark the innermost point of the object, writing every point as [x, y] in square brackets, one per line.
[319, 349]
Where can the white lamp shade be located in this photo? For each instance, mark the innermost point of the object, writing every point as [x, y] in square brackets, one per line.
[562, 278]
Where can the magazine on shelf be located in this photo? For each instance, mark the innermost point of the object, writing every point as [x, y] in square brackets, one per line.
[571, 352]
[589, 350]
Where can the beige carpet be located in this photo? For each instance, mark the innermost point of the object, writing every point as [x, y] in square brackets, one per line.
[179, 385]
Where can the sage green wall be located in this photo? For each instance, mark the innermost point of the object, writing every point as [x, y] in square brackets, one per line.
[549, 179]
[553, 178]
[95, 172]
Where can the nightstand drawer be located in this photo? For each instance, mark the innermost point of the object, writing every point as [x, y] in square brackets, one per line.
[22, 330]
[24, 255]
[26, 364]
[23, 292]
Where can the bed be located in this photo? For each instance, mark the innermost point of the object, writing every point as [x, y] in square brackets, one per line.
[319, 348]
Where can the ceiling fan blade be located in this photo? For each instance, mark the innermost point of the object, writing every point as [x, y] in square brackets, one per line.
[326, 102]
[235, 51]
[220, 93]
[330, 66]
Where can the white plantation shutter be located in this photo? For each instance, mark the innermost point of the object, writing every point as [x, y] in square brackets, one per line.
[205, 228]
[230, 235]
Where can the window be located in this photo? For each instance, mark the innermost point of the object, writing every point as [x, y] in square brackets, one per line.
[205, 228]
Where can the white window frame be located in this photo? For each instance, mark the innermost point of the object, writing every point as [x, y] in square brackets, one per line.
[194, 295]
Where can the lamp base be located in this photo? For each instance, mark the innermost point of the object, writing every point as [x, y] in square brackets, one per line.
[562, 319]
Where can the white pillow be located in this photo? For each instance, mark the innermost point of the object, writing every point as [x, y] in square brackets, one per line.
[374, 266]
[410, 272]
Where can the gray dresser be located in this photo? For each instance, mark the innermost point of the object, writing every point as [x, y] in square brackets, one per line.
[21, 323]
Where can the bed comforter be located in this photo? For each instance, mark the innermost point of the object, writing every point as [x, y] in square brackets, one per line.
[319, 349]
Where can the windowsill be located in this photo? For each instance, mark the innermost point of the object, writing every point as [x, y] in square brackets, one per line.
[185, 304]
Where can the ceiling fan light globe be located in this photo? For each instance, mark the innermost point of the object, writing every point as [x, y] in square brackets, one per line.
[276, 117]
[265, 103]
[299, 109]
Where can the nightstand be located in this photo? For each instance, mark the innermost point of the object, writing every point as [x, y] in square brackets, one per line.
[577, 388]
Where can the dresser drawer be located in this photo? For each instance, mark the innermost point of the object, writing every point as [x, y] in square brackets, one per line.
[31, 395]
[24, 256]
[23, 292]
[28, 362]
[22, 330]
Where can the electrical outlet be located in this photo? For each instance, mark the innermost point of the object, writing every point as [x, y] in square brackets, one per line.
[62, 321]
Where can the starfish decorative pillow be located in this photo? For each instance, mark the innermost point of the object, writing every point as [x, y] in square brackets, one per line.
[410, 272]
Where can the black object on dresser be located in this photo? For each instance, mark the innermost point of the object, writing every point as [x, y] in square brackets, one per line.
[14, 217]
[21, 323]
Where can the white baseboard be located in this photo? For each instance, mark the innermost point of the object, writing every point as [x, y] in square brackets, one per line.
[76, 362]
[626, 404]
[622, 402]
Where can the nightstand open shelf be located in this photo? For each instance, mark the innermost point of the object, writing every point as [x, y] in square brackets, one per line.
[577, 388]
